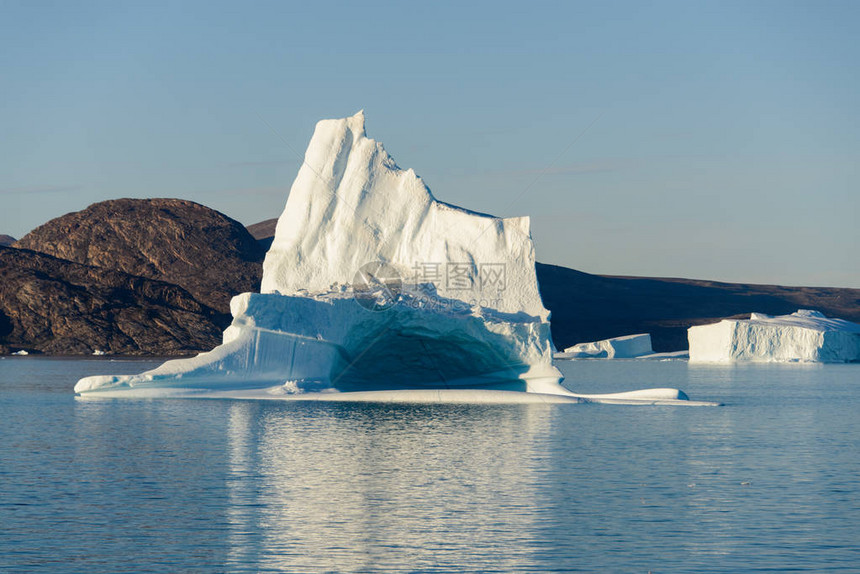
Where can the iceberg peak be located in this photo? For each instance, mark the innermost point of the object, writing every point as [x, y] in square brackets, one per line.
[357, 121]
[351, 205]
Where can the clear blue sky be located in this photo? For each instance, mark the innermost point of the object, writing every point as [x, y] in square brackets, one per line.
[712, 140]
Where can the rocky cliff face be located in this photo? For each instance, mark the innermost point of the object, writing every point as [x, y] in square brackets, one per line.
[61, 307]
[210, 255]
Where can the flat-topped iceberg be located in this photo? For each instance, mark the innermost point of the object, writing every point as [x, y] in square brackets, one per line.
[803, 336]
[627, 347]
[374, 290]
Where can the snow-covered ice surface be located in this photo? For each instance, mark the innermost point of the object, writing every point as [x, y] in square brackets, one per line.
[373, 290]
[351, 204]
[627, 347]
[803, 336]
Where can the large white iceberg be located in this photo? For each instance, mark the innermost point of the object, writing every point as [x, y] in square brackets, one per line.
[374, 289]
[626, 347]
[351, 205]
[803, 336]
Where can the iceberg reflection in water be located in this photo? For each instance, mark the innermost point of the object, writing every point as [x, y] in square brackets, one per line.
[355, 508]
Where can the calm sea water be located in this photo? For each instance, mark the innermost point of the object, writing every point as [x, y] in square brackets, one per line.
[768, 482]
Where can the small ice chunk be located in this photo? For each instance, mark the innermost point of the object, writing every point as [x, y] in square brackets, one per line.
[627, 347]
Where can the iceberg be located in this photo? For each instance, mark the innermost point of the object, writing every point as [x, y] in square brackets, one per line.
[374, 290]
[627, 347]
[803, 336]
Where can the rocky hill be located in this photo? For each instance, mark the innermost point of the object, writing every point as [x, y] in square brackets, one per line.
[264, 229]
[210, 255]
[56, 306]
[264, 232]
[6, 240]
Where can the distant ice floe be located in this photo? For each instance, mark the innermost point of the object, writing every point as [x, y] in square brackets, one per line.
[803, 336]
[627, 347]
[374, 290]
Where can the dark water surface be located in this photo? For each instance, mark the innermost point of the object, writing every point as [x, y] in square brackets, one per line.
[769, 482]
